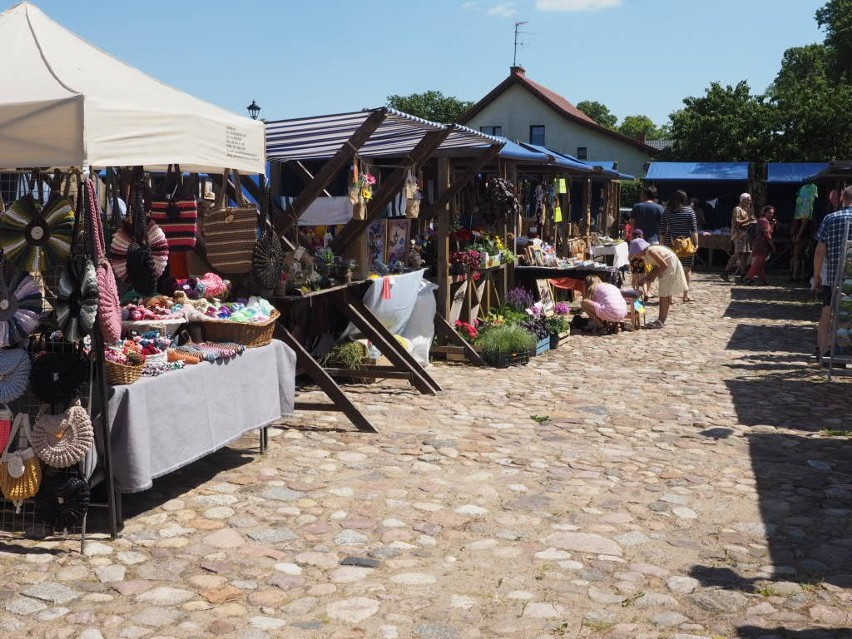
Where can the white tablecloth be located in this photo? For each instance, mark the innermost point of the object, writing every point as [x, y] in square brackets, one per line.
[160, 424]
[619, 251]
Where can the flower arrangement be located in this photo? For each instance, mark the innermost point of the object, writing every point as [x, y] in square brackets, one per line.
[366, 182]
[519, 299]
[468, 259]
[562, 308]
[468, 332]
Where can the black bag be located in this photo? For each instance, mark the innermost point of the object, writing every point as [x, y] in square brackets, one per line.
[63, 501]
[267, 259]
[57, 377]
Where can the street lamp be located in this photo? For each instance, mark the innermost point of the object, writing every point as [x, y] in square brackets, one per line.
[253, 109]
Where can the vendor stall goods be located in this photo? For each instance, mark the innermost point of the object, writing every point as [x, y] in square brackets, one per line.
[230, 232]
[20, 469]
[176, 212]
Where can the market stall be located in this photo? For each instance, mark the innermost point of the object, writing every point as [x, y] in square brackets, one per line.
[101, 295]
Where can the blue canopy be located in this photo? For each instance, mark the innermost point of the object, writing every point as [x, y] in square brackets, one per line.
[793, 172]
[609, 166]
[560, 159]
[698, 171]
[514, 151]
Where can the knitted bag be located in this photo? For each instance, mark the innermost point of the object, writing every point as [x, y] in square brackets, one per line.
[63, 501]
[139, 251]
[176, 212]
[230, 233]
[109, 305]
[56, 377]
[14, 374]
[21, 307]
[20, 469]
[6, 418]
[65, 439]
[267, 258]
[36, 238]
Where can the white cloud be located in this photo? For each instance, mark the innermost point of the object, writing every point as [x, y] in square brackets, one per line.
[503, 10]
[576, 5]
[470, 5]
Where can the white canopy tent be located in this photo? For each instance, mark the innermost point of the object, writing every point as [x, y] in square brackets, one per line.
[67, 103]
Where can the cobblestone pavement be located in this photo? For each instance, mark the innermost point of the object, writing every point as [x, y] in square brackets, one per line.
[687, 483]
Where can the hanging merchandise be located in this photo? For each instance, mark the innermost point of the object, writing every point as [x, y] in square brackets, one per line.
[139, 251]
[501, 203]
[557, 214]
[36, 238]
[413, 195]
[176, 212]
[267, 258]
[15, 366]
[108, 303]
[56, 377]
[805, 199]
[562, 186]
[63, 501]
[6, 418]
[230, 233]
[65, 439]
[21, 307]
[20, 469]
[77, 294]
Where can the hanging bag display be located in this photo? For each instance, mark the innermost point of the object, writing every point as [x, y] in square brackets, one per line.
[62, 440]
[230, 232]
[77, 294]
[176, 212]
[109, 304]
[36, 238]
[63, 501]
[139, 251]
[20, 469]
[268, 256]
[15, 367]
[6, 418]
[56, 377]
[21, 307]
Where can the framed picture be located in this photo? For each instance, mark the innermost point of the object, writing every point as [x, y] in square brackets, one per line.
[545, 296]
[397, 244]
[376, 239]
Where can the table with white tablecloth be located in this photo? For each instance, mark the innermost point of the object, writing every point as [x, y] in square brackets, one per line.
[160, 424]
[616, 254]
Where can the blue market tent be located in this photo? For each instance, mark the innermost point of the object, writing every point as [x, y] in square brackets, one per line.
[792, 172]
[698, 171]
[783, 181]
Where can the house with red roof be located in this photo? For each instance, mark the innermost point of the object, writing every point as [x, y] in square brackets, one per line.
[524, 110]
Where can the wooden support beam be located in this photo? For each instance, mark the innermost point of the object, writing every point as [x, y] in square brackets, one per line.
[340, 159]
[463, 180]
[445, 301]
[447, 332]
[389, 188]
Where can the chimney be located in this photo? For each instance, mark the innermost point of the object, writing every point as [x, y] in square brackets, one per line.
[518, 70]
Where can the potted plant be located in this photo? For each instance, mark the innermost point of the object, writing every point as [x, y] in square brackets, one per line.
[506, 345]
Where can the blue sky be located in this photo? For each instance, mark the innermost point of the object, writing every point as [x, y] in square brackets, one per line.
[312, 57]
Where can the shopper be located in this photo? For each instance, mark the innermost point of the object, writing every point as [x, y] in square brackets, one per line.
[680, 225]
[647, 214]
[741, 219]
[831, 250]
[603, 303]
[665, 267]
[762, 247]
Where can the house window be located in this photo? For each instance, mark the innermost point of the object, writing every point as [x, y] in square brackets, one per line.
[537, 134]
[582, 153]
[491, 130]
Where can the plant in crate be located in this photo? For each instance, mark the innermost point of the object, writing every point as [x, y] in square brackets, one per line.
[468, 331]
[505, 345]
[519, 299]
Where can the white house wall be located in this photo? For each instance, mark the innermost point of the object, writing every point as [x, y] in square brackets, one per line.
[516, 109]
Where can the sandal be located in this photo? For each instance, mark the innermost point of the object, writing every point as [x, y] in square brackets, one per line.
[689, 299]
[655, 324]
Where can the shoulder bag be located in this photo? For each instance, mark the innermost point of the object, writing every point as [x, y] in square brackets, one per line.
[268, 256]
[683, 246]
[56, 377]
[15, 366]
[21, 307]
[176, 212]
[20, 469]
[62, 440]
[109, 305]
[230, 233]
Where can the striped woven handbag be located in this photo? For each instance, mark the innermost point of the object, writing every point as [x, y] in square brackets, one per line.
[36, 238]
[230, 232]
[176, 212]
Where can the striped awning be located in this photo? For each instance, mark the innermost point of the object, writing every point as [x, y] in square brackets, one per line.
[320, 137]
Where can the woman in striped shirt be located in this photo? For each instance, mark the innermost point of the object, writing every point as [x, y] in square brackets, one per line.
[679, 222]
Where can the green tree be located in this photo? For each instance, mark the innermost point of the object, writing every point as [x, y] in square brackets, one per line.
[639, 126]
[727, 124]
[430, 105]
[599, 112]
[836, 18]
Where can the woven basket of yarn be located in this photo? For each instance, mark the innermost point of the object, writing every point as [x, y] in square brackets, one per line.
[250, 335]
[121, 374]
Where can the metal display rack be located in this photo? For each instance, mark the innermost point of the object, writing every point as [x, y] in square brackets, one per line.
[840, 325]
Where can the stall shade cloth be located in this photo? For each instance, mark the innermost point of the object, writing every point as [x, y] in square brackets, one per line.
[160, 424]
[698, 171]
[792, 172]
[67, 103]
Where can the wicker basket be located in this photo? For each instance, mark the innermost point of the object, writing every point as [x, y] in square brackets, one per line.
[118, 374]
[250, 335]
[167, 327]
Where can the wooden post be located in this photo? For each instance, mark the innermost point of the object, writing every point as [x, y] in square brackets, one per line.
[443, 238]
[587, 207]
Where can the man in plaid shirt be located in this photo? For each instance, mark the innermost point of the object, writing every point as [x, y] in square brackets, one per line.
[831, 245]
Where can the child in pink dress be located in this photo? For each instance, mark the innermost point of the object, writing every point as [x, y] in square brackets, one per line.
[603, 302]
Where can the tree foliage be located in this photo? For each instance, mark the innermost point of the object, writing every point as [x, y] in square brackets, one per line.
[430, 105]
[836, 18]
[639, 126]
[599, 112]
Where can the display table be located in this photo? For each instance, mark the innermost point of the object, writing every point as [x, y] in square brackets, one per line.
[715, 242]
[159, 424]
[616, 254]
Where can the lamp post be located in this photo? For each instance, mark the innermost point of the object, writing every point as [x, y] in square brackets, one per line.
[253, 109]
